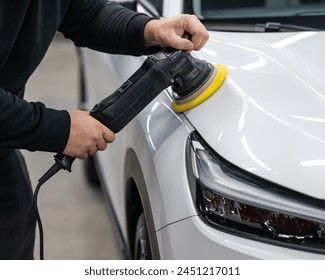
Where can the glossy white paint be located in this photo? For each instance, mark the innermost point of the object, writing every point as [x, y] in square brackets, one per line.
[269, 116]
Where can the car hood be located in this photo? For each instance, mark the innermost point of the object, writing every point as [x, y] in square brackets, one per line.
[269, 115]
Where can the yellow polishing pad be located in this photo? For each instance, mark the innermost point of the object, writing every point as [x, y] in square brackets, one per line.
[210, 87]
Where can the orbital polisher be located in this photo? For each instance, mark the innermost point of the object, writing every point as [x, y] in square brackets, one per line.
[192, 81]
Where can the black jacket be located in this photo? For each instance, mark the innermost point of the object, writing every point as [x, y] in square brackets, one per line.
[26, 31]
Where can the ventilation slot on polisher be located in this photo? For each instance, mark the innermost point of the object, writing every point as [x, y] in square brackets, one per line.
[181, 63]
[188, 70]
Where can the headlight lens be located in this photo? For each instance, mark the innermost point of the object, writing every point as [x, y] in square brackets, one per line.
[250, 209]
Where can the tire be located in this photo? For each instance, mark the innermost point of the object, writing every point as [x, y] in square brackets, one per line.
[142, 248]
[91, 172]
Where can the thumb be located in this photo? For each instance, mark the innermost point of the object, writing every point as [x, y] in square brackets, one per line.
[180, 43]
[108, 135]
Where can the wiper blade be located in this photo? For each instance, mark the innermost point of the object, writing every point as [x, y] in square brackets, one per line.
[280, 27]
[256, 27]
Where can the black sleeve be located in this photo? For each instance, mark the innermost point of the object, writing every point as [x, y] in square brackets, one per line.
[38, 128]
[105, 26]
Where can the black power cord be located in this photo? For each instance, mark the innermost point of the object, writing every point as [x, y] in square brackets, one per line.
[53, 170]
[39, 222]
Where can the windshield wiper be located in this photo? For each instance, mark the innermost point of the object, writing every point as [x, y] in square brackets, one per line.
[256, 27]
[280, 27]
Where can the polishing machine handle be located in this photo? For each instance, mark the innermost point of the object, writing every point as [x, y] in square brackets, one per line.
[120, 107]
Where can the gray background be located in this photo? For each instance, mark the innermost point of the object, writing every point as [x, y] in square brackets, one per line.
[75, 220]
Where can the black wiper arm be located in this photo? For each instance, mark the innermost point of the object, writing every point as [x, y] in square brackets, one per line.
[280, 27]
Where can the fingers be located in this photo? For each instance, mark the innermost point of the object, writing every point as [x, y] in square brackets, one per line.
[100, 143]
[108, 135]
[87, 135]
[169, 32]
[198, 31]
[179, 43]
[90, 152]
[101, 146]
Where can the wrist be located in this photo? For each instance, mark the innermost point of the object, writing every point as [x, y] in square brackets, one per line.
[149, 33]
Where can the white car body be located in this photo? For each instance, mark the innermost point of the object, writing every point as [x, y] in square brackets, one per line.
[268, 118]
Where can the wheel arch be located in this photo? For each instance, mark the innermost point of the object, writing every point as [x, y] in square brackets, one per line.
[136, 201]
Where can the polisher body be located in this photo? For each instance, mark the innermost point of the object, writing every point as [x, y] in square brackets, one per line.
[170, 67]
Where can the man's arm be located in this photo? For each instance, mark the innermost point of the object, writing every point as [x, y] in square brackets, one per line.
[23, 124]
[105, 26]
[32, 126]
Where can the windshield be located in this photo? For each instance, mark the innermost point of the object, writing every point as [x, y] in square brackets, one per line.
[300, 12]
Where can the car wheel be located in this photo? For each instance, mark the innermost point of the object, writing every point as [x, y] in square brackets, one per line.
[91, 172]
[142, 248]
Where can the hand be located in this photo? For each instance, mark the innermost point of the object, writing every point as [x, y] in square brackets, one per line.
[87, 135]
[169, 32]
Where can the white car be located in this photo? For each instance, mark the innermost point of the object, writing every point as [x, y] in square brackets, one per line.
[241, 176]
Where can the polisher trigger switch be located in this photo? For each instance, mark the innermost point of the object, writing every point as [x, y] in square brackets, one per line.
[178, 82]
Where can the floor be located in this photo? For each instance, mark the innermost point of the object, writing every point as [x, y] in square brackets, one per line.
[75, 220]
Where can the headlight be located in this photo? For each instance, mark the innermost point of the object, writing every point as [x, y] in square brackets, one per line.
[241, 203]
